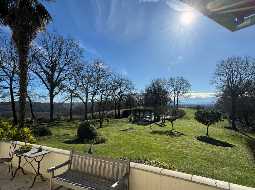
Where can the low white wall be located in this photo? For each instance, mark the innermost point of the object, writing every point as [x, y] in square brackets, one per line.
[142, 177]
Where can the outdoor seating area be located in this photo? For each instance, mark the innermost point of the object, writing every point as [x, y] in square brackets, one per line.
[139, 176]
[21, 182]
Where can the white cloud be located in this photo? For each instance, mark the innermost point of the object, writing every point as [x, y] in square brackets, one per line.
[177, 5]
[201, 95]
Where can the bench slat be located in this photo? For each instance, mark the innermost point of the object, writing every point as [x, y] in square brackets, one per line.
[93, 172]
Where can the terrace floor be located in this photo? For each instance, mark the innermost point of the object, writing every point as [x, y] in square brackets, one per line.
[21, 182]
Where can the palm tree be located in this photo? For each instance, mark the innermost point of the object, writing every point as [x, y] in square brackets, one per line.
[25, 18]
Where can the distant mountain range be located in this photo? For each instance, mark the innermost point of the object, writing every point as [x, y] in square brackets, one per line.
[199, 101]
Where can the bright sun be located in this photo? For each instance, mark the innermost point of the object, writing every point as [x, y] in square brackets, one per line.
[187, 18]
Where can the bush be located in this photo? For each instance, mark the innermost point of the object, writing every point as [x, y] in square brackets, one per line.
[208, 117]
[25, 135]
[42, 131]
[86, 131]
[9, 132]
[177, 113]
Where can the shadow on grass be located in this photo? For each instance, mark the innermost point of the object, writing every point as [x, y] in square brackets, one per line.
[215, 142]
[73, 141]
[251, 145]
[171, 133]
[130, 129]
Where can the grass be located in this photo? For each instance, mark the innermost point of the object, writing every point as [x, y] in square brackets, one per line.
[187, 154]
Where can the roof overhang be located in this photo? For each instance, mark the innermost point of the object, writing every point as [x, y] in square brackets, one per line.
[232, 14]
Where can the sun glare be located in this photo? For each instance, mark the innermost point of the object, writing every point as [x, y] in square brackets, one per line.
[187, 18]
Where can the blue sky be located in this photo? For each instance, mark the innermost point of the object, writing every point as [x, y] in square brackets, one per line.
[145, 39]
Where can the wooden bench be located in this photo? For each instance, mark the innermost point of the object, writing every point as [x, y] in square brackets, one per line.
[88, 172]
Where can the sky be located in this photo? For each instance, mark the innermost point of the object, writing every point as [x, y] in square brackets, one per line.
[148, 39]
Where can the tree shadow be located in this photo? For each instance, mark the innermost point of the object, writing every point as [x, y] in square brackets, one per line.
[251, 145]
[171, 133]
[73, 141]
[215, 142]
[130, 129]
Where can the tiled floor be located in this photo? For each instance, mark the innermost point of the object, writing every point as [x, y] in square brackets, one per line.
[20, 182]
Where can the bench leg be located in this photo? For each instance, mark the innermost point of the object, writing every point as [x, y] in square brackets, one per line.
[50, 183]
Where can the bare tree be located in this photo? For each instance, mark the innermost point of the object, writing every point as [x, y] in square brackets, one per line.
[71, 85]
[178, 87]
[9, 72]
[121, 87]
[99, 73]
[83, 77]
[53, 57]
[233, 77]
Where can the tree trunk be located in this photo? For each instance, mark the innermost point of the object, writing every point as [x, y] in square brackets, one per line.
[118, 110]
[115, 109]
[31, 108]
[23, 69]
[172, 123]
[101, 119]
[71, 107]
[14, 114]
[177, 101]
[174, 101]
[233, 113]
[86, 106]
[207, 131]
[92, 108]
[51, 105]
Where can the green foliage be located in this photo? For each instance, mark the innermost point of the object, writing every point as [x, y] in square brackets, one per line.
[9, 132]
[42, 131]
[177, 113]
[6, 130]
[208, 116]
[156, 96]
[25, 135]
[86, 131]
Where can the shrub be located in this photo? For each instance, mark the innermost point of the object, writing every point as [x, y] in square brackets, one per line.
[7, 131]
[25, 135]
[42, 131]
[86, 131]
[208, 117]
[177, 113]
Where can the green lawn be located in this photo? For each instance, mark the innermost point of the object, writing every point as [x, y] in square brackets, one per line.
[185, 153]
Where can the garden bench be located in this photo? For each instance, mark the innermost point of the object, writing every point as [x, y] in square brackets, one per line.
[88, 172]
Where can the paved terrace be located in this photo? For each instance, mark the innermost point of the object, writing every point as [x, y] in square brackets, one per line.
[21, 182]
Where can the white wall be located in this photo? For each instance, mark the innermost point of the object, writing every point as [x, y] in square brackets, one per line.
[142, 177]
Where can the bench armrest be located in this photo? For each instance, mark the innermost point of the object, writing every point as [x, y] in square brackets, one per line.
[52, 169]
[121, 182]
